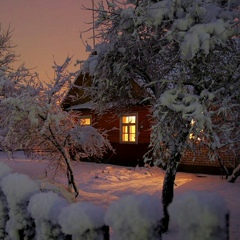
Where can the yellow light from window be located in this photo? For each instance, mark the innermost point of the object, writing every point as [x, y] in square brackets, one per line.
[129, 129]
[191, 135]
[129, 119]
[125, 137]
[85, 121]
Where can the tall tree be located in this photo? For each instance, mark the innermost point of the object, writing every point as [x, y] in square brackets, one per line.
[32, 119]
[185, 54]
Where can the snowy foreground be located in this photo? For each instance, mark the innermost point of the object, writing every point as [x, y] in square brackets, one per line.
[103, 184]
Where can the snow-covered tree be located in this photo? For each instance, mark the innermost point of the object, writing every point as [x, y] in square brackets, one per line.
[31, 119]
[185, 55]
[7, 55]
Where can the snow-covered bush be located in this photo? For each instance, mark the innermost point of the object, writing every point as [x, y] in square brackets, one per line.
[18, 188]
[200, 216]
[88, 142]
[4, 171]
[135, 217]
[83, 221]
[3, 214]
[45, 208]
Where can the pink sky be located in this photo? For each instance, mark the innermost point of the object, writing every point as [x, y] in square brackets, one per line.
[46, 28]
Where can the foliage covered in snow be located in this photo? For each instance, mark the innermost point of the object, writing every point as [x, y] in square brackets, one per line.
[18, 188]
[77, 218]
[4, 171]
[135, 217]
[33, 120]
[45, 208]
[200, 216]
[3, 214]
[184, 55]
[90, 142]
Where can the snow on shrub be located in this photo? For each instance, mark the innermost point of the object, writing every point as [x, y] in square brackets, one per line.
[3, 214]
[45, 208]
[135, 217]
[200, 216]
[4, 170]
[17, 189]
[82, 220]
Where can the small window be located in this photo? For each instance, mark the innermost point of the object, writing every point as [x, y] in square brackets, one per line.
[86, 121]
[129, 128]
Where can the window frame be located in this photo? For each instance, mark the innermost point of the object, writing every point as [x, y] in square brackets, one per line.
[128, 125]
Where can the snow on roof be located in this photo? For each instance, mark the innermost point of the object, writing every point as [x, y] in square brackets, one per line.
[88, 105]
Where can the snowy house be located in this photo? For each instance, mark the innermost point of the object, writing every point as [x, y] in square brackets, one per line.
[129, 130]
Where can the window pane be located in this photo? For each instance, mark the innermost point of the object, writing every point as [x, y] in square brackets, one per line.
[129, 119]
[124, 129]
[125, 137]
[85, 121]
[132, 137]
[132, 129]
[125, 119]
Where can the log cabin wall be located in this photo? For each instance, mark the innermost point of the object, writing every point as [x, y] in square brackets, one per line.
[127, 154]
[131, 154]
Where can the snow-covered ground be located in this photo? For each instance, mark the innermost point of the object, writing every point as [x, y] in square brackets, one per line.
[103, 184]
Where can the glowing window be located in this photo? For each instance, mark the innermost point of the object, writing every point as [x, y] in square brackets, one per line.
[191, 135]
[129, 128]
[86, 121]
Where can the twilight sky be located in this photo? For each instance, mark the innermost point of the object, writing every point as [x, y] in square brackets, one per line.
[46, 28]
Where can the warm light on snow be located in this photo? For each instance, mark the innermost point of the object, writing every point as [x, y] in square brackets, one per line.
[103, 184]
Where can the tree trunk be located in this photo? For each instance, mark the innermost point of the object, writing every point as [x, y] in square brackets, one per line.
[70, 175]
[235, 174]
[176, 147]
[66, 157]
[224, 169]
[168, 189]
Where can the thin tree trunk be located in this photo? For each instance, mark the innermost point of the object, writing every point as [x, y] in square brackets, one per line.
[176, 148]
[67, 159]
[225, 171]
[70, 175]
[168, 189]
[235, 174]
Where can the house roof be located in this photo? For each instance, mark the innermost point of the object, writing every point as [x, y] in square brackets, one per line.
[76, 97]
[87, 105]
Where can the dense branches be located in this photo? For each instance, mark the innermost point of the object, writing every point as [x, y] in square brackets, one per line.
[186, 56]
[32, 119]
